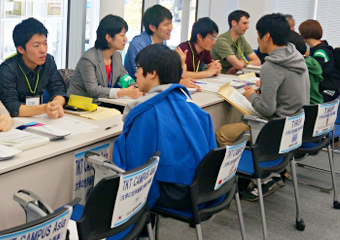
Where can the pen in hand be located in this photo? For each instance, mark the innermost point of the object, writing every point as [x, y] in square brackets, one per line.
[115, 125]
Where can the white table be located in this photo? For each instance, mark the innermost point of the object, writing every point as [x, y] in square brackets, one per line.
[220, 111]
[48, 170]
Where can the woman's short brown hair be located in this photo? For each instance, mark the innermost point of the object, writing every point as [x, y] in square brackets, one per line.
[310, 29]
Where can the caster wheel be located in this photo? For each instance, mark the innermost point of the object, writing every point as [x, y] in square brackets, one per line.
[336, 204]
[300, 225]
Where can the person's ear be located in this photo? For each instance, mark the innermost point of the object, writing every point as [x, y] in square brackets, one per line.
[153, 75]
[199, 37]
[267, 36]
[152, 28]
[20, 49]
[233, 23]
[107, 38]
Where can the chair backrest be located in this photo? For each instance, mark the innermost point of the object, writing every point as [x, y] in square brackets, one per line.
[320, 119]
[117, 202]
[215, 175]
[66, 75]
[53, 226]
[279, 137]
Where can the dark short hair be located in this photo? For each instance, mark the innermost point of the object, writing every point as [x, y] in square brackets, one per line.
[288, 17]
[154, 16]
[276, 25]
[163, 60]
[298, 41]
[203, 26]
[24, 31]
[310, 29]
[111, 25]
[236, 15]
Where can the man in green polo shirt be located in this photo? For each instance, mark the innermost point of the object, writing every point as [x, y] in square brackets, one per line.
[231, 48]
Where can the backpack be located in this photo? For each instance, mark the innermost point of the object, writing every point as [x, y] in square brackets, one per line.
[336, 54]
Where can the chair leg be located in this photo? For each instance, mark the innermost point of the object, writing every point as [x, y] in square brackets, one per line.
[300, 224]
[240, 215]
[336, 203]
[150, 232]
[199, 232]
[157, 222]
[263, 216]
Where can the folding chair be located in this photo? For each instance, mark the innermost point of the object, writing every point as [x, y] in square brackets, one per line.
[271, 149]
[102, 215]
[318, 134]
[40, 222]
[208, 185]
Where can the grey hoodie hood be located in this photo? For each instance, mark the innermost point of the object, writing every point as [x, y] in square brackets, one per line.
[288, 57]
[152, 92]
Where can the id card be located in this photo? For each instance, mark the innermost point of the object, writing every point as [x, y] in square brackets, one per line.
[33, 100]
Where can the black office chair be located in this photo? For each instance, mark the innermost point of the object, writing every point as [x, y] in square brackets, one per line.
[265, 156]
[315, 140]
[51, 226]
[97, 214]
[205, 188]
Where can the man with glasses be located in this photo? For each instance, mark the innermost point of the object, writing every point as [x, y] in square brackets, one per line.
[231, 47]
[196, 52]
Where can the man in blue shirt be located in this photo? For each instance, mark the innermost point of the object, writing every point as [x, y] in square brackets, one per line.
[157, 22]
[25, 76]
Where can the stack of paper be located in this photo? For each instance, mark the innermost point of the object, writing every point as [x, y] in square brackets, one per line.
[212, 85]
[7, 152]
[21, 140]
[74, 126]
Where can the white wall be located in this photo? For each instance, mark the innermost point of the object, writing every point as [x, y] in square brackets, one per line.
[115, 7]
[256, 10]
[219, 11]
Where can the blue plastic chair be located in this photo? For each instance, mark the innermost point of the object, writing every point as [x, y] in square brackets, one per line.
[264, 157]
[202, 191]
[313, 143]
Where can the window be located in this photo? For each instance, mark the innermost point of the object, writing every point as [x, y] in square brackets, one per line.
[50, 12]
[328, 15]
[299, 9]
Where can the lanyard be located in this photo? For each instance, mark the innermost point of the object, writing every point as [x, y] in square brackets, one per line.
[28, 83]
[193, 59]
[239, 50]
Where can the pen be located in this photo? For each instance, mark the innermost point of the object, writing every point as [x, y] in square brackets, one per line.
[200, 83]
[115, 125]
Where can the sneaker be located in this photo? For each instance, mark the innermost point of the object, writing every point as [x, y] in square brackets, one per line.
[279, 181]
[252, 193]
[269, 187]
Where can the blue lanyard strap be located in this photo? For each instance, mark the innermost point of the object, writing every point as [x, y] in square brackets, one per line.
[28, 83]
[193, 59]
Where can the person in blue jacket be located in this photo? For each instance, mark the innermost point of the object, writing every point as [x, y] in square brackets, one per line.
[164, 119]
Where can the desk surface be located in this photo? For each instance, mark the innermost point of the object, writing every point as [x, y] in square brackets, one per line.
[70, 143]
[202, 99]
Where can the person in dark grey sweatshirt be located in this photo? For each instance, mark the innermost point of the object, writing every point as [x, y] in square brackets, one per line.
[284, 88]
[284, 81]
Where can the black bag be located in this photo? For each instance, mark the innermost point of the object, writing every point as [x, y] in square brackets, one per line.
[336, 54]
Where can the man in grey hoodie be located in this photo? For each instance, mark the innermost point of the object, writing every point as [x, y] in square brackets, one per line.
[284, 77]
[284, 85]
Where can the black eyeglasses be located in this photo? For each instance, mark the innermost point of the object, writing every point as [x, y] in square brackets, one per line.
[136, 67]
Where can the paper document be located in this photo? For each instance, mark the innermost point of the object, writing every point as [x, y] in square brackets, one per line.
[101, 113]
[236, 99]
[21, 140]
[65, 123]
[213, 84]
[7, 152]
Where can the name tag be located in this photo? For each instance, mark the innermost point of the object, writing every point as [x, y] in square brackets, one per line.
[33, 101]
